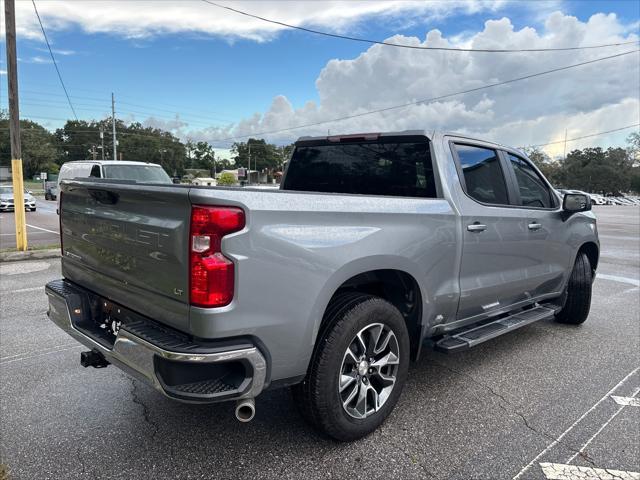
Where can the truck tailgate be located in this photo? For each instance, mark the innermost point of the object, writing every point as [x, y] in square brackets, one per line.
[129, 243]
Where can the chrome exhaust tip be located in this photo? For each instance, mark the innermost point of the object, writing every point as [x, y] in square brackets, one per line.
[245, 410]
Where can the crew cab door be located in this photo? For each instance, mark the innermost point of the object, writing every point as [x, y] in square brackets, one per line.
[494, 258]
[549, 255]
[514, 251]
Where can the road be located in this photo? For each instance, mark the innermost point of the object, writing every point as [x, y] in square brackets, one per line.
[42, 226]
[524, 405]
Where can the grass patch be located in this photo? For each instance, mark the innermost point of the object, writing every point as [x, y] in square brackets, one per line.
[4, 472]
[31, 249]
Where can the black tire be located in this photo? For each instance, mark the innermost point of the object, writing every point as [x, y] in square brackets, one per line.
[578, 295]
[47, 196]
[33, 209]
[318, 396]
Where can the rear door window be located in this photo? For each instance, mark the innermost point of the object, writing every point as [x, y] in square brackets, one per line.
[388, 167]
[482, 174]
[95, 171]
[533, 190]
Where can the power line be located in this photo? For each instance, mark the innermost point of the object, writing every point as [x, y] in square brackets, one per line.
[414, 47]
[55, 64]
[429, 100]
[136, 134]
[585, 136]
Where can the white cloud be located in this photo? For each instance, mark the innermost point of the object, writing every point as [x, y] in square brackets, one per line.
[585, 100]
[147, 18]
[174, 125]
[57, 51]
[3, 72]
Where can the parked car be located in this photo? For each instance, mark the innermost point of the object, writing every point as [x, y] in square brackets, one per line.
[51, 192]
[7, 201]
[113, 169]
[375, 247]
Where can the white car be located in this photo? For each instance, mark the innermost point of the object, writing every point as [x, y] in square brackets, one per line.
[7, 203]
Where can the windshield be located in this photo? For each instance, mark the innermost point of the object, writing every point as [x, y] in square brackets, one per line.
[137, 173]
[6, 190]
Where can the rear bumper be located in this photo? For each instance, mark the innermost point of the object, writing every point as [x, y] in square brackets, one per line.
[180, 369]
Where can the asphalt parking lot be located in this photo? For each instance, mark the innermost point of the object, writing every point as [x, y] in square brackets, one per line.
[534, 404]
[42, 226]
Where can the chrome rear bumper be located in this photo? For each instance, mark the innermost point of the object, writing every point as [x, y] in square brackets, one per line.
[139, 357]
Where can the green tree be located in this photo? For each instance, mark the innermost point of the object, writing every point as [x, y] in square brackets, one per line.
[39, 152]
[226, 178]
[549, 168]
[597, 170]
[203, 156]
[264, 156]
[633, 147]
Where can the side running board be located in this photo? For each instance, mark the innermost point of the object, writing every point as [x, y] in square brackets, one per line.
[476, 334]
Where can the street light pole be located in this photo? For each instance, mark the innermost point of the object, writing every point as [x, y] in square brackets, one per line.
[113, 124]
[14, 125]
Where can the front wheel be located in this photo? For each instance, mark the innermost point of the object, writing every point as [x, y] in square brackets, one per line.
[578, 294]
[358, 368]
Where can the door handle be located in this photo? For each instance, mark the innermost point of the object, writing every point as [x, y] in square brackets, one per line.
[476, 227]
[535, 226]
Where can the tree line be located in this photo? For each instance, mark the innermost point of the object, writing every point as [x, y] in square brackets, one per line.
[45, 151]
[611, 171]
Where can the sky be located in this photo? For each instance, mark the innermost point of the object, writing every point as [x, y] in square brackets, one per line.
[206, 73]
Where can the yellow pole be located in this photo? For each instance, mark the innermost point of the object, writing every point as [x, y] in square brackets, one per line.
[18, 204]
[14, 124]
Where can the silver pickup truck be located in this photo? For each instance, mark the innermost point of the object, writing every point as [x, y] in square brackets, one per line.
[375, 247]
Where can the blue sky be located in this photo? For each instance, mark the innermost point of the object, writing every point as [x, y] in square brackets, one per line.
[212, 79]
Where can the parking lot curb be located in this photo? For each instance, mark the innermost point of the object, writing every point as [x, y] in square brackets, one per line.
[29, 255]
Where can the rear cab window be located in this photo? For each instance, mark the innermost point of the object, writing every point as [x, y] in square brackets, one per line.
[385, 166]
[482, 175]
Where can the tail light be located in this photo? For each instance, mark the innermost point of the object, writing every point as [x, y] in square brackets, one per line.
[211, 273]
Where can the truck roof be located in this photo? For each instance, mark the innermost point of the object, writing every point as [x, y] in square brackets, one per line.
[430, 134]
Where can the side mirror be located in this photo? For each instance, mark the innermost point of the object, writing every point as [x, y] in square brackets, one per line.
[576, 202]
[29, 192]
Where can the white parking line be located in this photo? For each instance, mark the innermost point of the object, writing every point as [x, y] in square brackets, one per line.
[13, 234]
[626, 401]
[616, 278]
[24, 290]
[573, 425]
[43, 229]
[38, 355]
[601, 429]
[559, 471]
[48, 350]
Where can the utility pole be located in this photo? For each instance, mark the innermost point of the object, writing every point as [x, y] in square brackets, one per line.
[113, 124]
[102, 140]
[564, 156]
[94, 154]
[249, 168]
[14, 125]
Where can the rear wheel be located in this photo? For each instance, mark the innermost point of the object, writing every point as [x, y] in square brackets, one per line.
[358, 368]
[578, 294]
